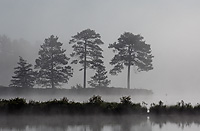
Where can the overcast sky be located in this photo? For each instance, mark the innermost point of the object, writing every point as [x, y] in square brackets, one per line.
[171, 27]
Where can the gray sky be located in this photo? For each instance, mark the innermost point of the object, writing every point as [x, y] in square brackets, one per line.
[171, 27]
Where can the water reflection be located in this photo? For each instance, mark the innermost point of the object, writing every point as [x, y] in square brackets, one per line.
[182, 122]
[98, 123]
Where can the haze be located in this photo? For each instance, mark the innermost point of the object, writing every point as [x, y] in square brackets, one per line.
[171, 28]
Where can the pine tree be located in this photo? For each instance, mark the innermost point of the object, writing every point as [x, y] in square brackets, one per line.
[100, 79]
[24, 75]
[52, 64]
[86, 47]
[131, 50]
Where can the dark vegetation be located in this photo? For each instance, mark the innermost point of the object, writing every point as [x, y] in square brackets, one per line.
[95, 105]
[181, 108]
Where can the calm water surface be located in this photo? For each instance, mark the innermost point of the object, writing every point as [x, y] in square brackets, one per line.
[99, 123]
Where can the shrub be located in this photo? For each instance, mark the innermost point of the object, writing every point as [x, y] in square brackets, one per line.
[126, 100]
[96, 100]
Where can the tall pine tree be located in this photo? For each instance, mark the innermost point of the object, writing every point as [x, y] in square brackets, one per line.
[131, 50]
[52, 64]
[86, 47]
[24, 75]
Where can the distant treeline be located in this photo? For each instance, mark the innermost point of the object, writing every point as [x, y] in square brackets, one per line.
[52, 66]
[95, 105]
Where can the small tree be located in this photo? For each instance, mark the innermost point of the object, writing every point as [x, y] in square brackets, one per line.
[52, 64]
[24, 75]
[131, 50]
[100, 79]
[86, 47]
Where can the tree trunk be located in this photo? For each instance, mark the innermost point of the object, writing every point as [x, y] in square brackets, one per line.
[128, 78]
[99, 82]
[84, 81]
[52, 73]
[52, 84]
[129, 65]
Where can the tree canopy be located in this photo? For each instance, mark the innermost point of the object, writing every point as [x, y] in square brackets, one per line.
[131, 50]
[52, 64]
[24, 75]
[86, 47]
[100, 78]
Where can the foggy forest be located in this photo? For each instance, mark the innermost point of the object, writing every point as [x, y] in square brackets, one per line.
[99, 65]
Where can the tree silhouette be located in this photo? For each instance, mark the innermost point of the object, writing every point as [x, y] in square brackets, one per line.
[131, 50]
[52, 64]
[100, 79]
[24, 75]
[86, 47]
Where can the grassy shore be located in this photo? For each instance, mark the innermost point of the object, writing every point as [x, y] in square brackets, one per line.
[6, 91]
[181, 108]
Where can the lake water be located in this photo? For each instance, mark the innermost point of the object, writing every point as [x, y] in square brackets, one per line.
[106, 123]
[99, 123]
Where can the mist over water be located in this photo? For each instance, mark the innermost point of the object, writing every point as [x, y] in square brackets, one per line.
[98, 123]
